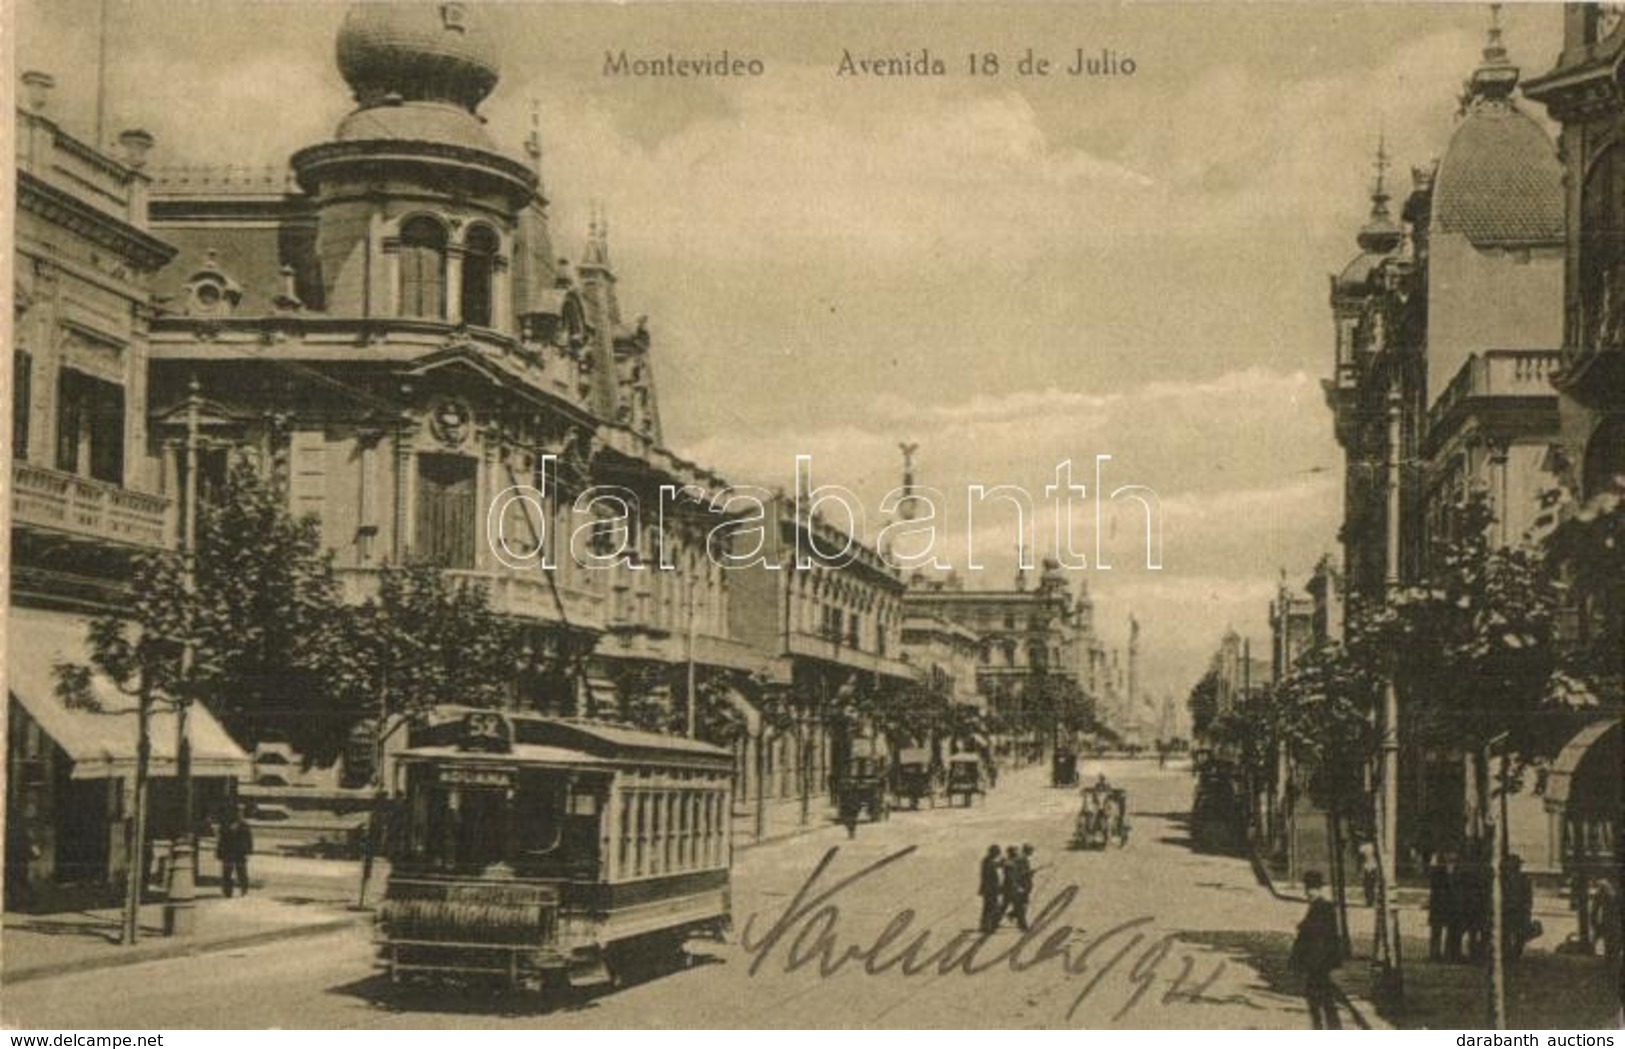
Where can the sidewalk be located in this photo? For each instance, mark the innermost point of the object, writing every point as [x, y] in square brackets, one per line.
[38, 946]
[289, 897]
[1545, 989]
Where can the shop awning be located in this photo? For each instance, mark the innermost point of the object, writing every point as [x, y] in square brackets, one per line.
[102, 743]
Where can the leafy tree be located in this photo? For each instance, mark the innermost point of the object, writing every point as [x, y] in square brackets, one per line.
[1204, 704]
[1586, 555]
[1472, 644]
[426, 640]
[264, 617]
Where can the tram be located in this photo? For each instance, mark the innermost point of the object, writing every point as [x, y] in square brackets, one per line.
[542, 852]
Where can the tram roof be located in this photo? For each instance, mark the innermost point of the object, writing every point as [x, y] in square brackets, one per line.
[569, 741]
[521, 754]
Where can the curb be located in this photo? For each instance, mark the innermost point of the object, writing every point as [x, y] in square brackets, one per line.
[179, 949]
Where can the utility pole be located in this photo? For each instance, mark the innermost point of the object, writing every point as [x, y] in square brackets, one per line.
[181, 895]
[136, 839]
[693, 591]
[101, 74]
[1391, 979]
[1498, 938]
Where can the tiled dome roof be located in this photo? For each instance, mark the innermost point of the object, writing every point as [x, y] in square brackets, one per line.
[1357, 274]
[419, 52]
[1500, 182]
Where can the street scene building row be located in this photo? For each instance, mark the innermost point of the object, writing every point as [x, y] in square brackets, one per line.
[386, 330]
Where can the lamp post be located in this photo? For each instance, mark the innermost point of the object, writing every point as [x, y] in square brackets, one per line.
[1390, 977]
[181, 896]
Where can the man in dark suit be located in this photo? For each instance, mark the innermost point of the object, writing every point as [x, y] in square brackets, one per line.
[992, 889]
[233, 847]
[1018, 884]
[1316, 952]
[1441, 906]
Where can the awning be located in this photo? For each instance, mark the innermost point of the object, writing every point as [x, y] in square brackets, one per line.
[101, 743]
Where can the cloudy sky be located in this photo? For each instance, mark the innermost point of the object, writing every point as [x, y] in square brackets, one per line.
[1010, 272]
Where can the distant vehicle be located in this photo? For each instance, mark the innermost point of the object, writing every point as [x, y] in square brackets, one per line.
[965, 778]
[863, 785]
[536, 851]
[916, 776]
[1064, 772]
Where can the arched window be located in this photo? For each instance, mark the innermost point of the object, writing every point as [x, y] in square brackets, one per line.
[423, 269]
[479, 265]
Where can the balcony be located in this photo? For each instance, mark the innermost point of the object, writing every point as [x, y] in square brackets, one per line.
[55, 501]
[1498, 382]
[832, 650]
[521, 596]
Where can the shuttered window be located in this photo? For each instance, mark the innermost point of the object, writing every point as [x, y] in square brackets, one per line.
[479, 272]
[446, 510]
[423, 269]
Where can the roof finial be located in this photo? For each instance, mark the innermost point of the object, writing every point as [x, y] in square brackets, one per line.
[533, 147]
[1496, 77]
[1380, 234]
[1494, 52]
[1379, 193]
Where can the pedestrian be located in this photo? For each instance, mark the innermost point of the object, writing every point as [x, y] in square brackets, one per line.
[1517, 907]
[991, 890]
[1018, 874]
[849, 813]
[1440, 900]
[1316, 952]
[1473, 897]
[233, 846]
[1368, 871]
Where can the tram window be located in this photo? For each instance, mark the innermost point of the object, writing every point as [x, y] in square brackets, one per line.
[460, 827]
[624, 860]
[640, 861]
[669, 844]
[540, 817]
[683, 828]
[700, 829]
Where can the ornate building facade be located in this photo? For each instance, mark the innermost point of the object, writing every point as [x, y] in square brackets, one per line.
[386, 327]
[85, 501]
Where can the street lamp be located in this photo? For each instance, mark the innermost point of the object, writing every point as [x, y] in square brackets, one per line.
[181, 896]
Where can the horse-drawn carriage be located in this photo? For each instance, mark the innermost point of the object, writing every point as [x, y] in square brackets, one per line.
[1064, 771]
[1103, 817]
[861, 789]
[915, 776]
[966, 778]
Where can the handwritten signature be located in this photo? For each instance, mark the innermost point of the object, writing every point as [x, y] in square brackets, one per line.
[808, 931]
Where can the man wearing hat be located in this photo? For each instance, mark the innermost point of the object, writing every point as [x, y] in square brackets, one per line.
[1316, 952]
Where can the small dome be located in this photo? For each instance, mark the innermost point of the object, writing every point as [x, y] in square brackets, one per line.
[1500, 182]
[1356, 276]
[418, 52]
[416, 122]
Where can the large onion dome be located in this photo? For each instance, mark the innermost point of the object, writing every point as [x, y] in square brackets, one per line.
[1500, 183]
[416, 53]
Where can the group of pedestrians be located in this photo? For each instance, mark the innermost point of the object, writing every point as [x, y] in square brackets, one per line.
[1460, 902]
[1006, 886]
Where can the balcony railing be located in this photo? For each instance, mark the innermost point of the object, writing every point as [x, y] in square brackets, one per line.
[1497, 373]
[521, 596]
[64, 502]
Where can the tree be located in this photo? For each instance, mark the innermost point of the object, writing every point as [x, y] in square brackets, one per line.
[1325, 719]
[1472, 645]
[264, 617]
[1204, 704]
[423, 641]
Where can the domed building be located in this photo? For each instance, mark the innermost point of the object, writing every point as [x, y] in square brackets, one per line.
[384, 325]
[1495, 234]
